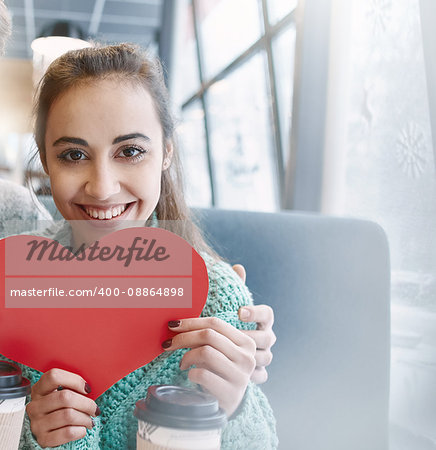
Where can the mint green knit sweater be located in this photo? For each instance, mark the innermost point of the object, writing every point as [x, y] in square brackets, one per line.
[252, 428]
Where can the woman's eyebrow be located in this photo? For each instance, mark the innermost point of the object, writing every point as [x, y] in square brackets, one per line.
[70, 140]
[126, 137]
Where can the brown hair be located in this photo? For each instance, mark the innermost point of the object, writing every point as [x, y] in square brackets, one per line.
[5, 26]
[126, 62]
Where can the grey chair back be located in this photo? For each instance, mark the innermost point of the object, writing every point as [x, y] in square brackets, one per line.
[328, 282]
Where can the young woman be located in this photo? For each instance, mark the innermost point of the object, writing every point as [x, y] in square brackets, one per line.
[105, 138]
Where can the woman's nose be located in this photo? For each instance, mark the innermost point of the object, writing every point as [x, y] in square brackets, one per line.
[102, 183]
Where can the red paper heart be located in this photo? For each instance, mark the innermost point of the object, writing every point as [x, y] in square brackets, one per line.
[101, 338]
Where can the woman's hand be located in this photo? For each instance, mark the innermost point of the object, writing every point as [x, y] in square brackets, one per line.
[59, 411]
[223, 357]
[263, 336]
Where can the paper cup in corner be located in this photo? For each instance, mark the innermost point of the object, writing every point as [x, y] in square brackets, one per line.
[13, 391]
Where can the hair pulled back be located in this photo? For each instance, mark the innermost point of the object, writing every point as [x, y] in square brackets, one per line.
[127, 63]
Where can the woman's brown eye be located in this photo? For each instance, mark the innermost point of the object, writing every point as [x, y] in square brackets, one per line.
[76, 155]
[129, 151]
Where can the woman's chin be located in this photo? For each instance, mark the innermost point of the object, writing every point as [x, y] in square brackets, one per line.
[88, 231]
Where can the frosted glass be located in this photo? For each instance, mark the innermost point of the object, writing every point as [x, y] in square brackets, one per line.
[389, 176]
[194, 157]
[277, 9]
[185, 73]
[241, 139]
[227, 28]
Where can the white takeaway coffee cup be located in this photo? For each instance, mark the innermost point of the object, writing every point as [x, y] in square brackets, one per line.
[13, 391]
[174, 417]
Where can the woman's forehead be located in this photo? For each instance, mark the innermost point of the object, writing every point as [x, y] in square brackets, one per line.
[121, 88]
[106, 103]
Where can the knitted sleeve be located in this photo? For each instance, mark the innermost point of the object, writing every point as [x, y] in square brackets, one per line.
[254, 425]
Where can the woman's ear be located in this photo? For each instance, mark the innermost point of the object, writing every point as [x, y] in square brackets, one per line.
[168, 155]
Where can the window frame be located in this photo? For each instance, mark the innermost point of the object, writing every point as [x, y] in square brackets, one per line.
[264, 43]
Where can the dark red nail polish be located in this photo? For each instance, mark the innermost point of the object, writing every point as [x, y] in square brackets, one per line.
[87, 388]
[97, 411]
[167, 343]
[174, 323]
[93, 423]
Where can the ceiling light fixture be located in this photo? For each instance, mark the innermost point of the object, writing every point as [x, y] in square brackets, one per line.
[55, 40]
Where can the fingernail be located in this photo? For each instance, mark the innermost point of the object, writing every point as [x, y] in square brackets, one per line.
[87, 388]
[60, 388]
[244, 313]
[167, 343]
[93, 423]
[174, 323]
[97, 411]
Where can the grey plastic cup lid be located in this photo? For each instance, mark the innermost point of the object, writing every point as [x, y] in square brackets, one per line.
[180, 407]
[12, 384]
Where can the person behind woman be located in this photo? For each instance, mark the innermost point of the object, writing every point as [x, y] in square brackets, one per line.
[105, 138]
[17, 208]
[5, 26]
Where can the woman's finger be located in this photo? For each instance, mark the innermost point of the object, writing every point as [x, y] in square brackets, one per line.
[229, 397]
[212, 323]
[212, 338]
[61, 436]
[55, 378]
[264, 339]
[63, 418]
[263, 358]
[209, 358]
[259, 375]
[62, 399]
[199, 338]
[262, 314]
[240, 270]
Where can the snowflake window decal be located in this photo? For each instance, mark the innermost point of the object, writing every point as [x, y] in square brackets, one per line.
[379, 14]
[411, 150]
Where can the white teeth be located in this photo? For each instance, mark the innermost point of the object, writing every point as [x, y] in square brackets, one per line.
[108, 214]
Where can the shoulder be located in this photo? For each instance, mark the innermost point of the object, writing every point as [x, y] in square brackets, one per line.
[18, 210]
[17, 203]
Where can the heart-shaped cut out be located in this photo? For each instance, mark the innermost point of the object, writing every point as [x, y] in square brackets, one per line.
[121, 321]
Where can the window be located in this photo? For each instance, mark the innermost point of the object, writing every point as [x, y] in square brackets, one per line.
[231, 82]
[382, 168]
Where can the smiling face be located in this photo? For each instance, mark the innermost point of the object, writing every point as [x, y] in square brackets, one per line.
[104, 156]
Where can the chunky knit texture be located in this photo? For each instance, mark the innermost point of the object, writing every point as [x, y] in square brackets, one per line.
[252, 428]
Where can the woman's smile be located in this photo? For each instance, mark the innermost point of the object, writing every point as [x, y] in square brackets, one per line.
[106, 212]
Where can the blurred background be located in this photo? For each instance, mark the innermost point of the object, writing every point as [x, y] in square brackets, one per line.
[314, 105]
